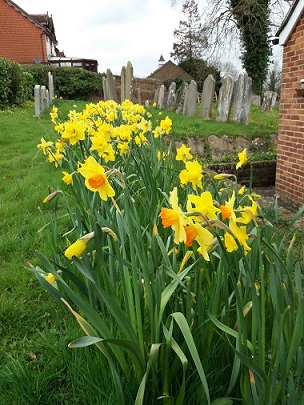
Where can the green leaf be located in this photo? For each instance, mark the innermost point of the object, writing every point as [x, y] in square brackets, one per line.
[222, 401]
[184, 327]
[84, 341]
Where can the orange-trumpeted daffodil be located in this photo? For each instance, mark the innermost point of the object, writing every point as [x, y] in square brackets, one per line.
[203, 204]
[227, 210]
[242, 158]
[192, 174]
[78, 248]
[183, 154]
[202, 236]
[175, 218]
[96, 178]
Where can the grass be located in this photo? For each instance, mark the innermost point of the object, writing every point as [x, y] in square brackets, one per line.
[261, 124]
[37, 367]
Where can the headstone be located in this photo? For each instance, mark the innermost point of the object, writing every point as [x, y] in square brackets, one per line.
[256, 100]
[147, 103]
[123, 84]
[156, 94]
[186, 93]
[242, 99]
[207, 97]
[267, 101]
[181, 97]
[51, 85]
[111, 91]
[191, 104]
[43, 98]
[161, 96]
[37, 100]
[129, 81]
[105, 89]
[171, 98]
[274, 99]
[225, 99]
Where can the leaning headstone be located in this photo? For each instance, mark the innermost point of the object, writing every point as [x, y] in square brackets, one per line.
[207, 97]
[180, 97]
[171, 97]
[267, 101]
[122, 84]
[156, 94]
[129, 81]
[186, 92]
[242, 99]
[37, 100]
[161, 96]
[225, 99]
[51, 86]
[111, 91]
[191, 99]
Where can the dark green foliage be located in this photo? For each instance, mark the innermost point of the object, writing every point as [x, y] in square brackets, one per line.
[71, 83]
[4, 82]
[15, 84]
[253, 23]
[40, 73]
[199, 69]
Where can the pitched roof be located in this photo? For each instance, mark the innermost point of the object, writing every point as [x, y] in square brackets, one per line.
[170, 70]
[42, 21]
[290, 21]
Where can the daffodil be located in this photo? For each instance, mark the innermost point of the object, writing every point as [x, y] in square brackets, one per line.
[192, 174]
[242, 158]
[227, 210]
[248, 213]
[44, 146]
[95, 178]
[240, 234]
[175, 218]
[67, 178]
[55, 157]
[50, 278]
[78, 248]
[183, 154]
[74, 131]
[202, 236]
[166, 125]
[202, 204]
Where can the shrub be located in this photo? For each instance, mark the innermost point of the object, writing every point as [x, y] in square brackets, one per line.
[4, 82]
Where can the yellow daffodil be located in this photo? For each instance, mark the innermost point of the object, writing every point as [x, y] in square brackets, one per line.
[203, 204]
[78, 248]
[50, 278]
[192, 174]
[240, 234]
[242, 158]
[55, 157]
[248, 213]
[241, 190]
[183, 154]
[166, 125]
[67, 178]
[96, 178]
[74, 131]
[175, 218]
[44, 146]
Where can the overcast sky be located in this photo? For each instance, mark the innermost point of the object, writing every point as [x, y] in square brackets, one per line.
[116, 31]
[112, 31]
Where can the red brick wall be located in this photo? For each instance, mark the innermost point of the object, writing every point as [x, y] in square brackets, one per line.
[290, 149]
[20, 40]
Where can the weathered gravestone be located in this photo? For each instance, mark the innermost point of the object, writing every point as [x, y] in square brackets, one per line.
[180, 97]
[191, 100]
[267, 101]
[51, 86]
[122, 84]
[225, 99]
[105, 89]
[111, 91]
[129, 81]
[242, 99]
[256, 100]
[171, 97]
[207, 97]
[161, 97]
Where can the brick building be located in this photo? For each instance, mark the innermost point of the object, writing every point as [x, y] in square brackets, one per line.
[30, 38]
[25, 38]
[290, 149]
